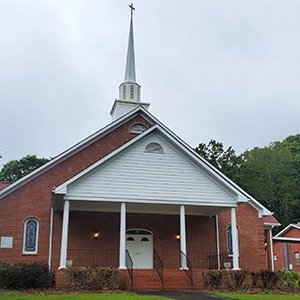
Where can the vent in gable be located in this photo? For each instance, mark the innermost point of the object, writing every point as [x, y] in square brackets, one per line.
[154, 148]
[137, 128]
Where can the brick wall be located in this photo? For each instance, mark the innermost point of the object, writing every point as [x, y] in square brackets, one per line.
[251, 237]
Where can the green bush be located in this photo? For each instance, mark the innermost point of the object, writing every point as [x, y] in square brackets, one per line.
[25, 276]
[289, 279]
[95, 278]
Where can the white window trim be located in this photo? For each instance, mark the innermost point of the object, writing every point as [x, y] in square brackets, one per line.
[37, 237]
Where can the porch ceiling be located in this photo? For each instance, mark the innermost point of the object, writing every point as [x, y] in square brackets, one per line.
[162, 209]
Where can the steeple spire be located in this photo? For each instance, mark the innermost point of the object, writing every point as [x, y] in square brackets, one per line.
[130, 62]
[129, 90]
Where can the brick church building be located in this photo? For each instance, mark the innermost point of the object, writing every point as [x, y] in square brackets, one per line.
[133, 195]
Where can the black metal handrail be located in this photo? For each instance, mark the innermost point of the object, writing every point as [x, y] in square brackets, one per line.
[186, 265]
[158, 266]
[129, 265]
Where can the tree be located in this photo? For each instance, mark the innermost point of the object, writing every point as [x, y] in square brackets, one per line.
[269, 175]
[224, 160]
[16, 169]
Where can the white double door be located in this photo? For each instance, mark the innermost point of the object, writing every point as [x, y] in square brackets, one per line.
[139, 244]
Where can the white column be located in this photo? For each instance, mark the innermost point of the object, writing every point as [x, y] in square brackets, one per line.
[235, 241]
[122, 259]
[50, 238]
[182, 237]
[64, 236]
[218, 242]
[271, 249]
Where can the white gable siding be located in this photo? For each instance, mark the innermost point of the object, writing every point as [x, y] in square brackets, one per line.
[134, 175]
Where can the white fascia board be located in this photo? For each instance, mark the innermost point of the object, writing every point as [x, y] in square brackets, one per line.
[286, 239]
[71, 151]
[271, 225]
[61, 189]
[286, 229]
[262, 210]
[151, 201]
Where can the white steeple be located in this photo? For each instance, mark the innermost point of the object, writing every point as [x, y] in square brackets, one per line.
[129, 90]
[130, 62]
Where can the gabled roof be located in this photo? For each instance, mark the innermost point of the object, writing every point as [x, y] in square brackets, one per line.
[287, 228]
[263, 211]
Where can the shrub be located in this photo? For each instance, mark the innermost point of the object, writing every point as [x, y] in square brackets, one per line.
[255, 279]
[268, 279]
[212, 279]
[25, 276]
[238, 278]
[289, 279]
[95, 278]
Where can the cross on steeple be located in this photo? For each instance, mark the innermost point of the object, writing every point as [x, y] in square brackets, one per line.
[132, 8]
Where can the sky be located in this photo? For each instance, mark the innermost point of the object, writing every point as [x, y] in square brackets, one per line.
[221, 69]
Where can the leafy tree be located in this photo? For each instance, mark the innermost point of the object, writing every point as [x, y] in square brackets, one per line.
[268, 174]
[16, 169]
[225, 160]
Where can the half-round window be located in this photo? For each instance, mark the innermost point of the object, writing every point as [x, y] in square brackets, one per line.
[154, 148]
[137, 128]
[31, 231]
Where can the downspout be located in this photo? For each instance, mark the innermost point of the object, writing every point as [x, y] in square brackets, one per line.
[50, 238]
[271, 249]
[218, 242]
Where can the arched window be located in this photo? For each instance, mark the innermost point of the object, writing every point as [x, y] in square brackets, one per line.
[154, 148]
[124, 91]
[229, 240]
[30, 239]
[137, 128]
[131, 92]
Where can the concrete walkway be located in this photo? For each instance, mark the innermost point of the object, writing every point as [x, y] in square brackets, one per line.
[182, 295]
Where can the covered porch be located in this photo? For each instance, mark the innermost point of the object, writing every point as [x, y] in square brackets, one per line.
[143, 236]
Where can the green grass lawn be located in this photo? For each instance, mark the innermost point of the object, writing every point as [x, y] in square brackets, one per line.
[259, 296]
[70, 296]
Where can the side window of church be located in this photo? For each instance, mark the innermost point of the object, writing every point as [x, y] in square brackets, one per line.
[229, 240]
[297, 258]
[31, 228]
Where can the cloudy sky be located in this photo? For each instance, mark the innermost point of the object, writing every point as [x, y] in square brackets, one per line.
[227, 70]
